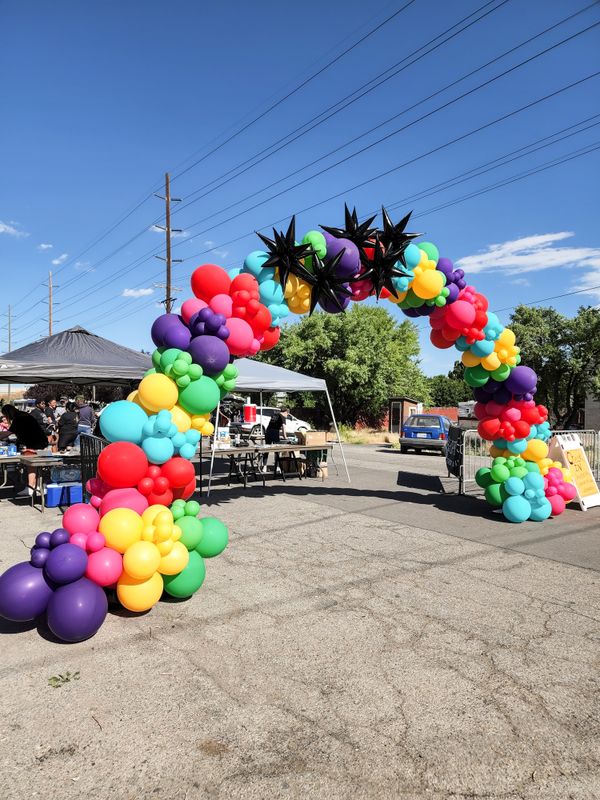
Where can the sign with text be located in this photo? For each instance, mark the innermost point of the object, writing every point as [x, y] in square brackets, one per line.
[566, 448]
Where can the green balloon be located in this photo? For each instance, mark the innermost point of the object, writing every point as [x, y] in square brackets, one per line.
[192, 508]
[495, 494]
[431, 250]
[518, 472]
[501, 374]
[500, 473]
[474, 379]
[189, 580]
[531, 466]
[191, 531]
[317, 241]
[413, 300]
[150, 372]
[156, 357]
[214, 537]
[483, 477]
[200, 397]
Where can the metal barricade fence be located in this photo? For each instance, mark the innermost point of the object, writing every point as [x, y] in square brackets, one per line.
[90, 449]
[475, 454]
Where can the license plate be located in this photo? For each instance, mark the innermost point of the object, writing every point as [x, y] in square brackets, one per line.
[422, 436]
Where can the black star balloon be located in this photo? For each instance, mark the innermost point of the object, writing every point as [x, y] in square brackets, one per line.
[358, 232]
[395, 236]
[284, 253]
[383, 268]
[324, 282]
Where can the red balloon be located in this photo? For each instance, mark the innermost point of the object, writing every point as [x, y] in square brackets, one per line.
[122, 464]
[209, 280]
[460, 314]
[270, 338]
[145, 486]
[450, 334]
[261, 321]
[438, 340]
[244, 282]
[153, 471]
[522, 429]
[178, 471]
[186, 492]
[164, 499]
[488, 428]
[161, 484]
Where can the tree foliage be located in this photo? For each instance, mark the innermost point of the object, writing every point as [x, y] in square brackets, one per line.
[105, 393]
[365, 356]
[565, 353]
[448, 390]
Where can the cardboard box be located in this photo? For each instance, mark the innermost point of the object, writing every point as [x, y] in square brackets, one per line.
[312, 437]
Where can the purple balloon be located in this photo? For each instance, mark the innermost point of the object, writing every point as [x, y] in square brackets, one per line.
[521, 380]
[161, 325]
[207, 321]
[349, 263]
[43, 540]
[177, 336]
[39, 556]
[58, 537]
[452, 293]
[24, 592]
[77, 610]
[66, 564]
[445, 265]
[331, 307]
[210, 352]
[410, 312]
[502, 396]
[481, 395]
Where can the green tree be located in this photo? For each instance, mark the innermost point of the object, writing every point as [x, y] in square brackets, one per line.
[565, 353]
[365, 356]
[446, 390]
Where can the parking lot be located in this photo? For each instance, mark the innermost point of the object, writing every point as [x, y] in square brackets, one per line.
[383, 638]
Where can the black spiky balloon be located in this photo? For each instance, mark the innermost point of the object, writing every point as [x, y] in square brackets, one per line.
[324, 282]
[358, 232]
[284, 253]
[383, 268]
[396, 237]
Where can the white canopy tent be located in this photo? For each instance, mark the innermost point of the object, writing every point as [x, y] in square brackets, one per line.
[256, 376]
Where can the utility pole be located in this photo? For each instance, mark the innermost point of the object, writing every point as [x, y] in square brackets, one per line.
[9, 315]
[168, 301]
[50, 303]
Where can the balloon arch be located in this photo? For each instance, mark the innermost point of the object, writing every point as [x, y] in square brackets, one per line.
[141, 535]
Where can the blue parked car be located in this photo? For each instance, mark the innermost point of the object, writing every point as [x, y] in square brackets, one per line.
[425, 432]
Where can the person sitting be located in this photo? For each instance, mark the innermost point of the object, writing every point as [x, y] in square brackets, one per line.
[67, 426]
[275, 430]
[29, 434]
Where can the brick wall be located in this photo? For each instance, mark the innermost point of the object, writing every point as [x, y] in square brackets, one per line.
[450, 412]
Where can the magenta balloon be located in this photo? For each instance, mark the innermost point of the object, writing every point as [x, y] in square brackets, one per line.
[66, 563]
[24, 592]
[77, 610]
[123, 498]
[460, 314]
[210, 352]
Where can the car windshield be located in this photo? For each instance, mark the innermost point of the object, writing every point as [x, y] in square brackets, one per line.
[422, 421]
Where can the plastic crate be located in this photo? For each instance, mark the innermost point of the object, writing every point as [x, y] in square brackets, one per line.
[63, 494]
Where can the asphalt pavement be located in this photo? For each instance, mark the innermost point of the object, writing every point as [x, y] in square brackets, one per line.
[379, 639]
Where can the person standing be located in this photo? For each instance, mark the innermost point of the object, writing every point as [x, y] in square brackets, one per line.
[275, 431]
[67, 427]
[87, 418]
[38, 412]
[29, 433]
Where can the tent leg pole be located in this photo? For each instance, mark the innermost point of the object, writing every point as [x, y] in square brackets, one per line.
[337, 433]
[212, 449]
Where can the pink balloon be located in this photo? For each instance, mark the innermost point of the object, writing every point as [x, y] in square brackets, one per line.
[240, 338]
[79, 539]
[568, 491]
[511, 414]
[190, 307]
[460, 314]
[254, 347]
[104, 567]
[123, 498]
[81, 518]
[95, 542]
[557, 504]
[222, 304]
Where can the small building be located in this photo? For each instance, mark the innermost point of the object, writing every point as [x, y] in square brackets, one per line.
[399, 410]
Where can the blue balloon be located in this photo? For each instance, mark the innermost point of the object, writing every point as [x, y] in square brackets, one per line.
[494, 327]
[158, 449]
[514, 486]
[412, 256]
[462, 344]
[518, 446]
[516, 508]
[254, 262]
[123, 421]
[482, 348]
[541, 510]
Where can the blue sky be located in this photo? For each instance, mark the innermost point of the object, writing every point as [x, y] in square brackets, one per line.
[100, 99]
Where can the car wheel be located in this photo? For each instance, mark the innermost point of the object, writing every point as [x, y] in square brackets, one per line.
[302, 430]
[257, 430]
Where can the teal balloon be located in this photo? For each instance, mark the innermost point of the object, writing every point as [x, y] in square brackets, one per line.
[541, 511]
[254, 262]
[189, 580]
[482, 348]
[191, 531]
[412, 256]
[214, 537]
[514, 486]
[200, 397]
[516, 509]
[123, 421]
[158, 449]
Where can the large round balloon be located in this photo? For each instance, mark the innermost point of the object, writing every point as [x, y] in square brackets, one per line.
[104, 567]
[210, 352]
[123, 421]
[66, 563]
[201, 396]
[77, 610]
[157, 392]
[214, 537]
[123, 498]
[24, 592]
[178, 471]
[209, 280]
[139, 595]
[189, 580]
[80, 518]
[122, 465]
[121, 528]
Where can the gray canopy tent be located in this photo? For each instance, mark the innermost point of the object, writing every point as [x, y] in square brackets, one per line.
[256, 376]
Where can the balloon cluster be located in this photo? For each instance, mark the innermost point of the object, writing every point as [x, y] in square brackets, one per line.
[140, 535]
[332, 267]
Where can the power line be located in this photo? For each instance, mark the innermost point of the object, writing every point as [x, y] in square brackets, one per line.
[394, 116]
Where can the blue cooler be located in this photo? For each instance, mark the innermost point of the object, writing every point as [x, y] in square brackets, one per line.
[63, 494]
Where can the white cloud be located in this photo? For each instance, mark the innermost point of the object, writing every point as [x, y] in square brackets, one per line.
[174, 234]
[12, 228]
[83, 266]
[44, 246]
[521, 282]
[531, 254]
[60, 260]
[212, 245]
[591, 282]
[137, 292]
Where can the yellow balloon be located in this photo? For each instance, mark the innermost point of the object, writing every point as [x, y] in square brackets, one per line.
[165, 547]
[399, 299]
[121, 527]
[507, 338]
[150, 514]
[158, 392]
[139, 595]
[175, 561]
[201, 422]
[490, 362]
[141, 560]
[134, 397]
[536, 450]
[181, 419]
[427, 284]
[470, 359]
